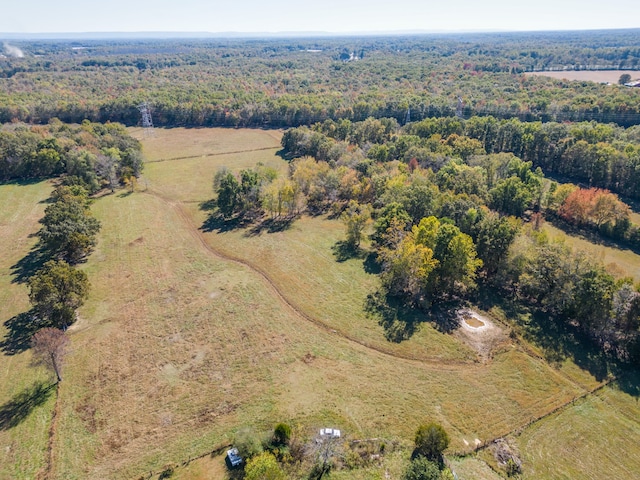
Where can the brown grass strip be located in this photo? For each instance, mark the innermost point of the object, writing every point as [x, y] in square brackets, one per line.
[46, 473]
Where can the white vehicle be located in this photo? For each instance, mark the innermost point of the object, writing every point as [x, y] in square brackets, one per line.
[329, 433]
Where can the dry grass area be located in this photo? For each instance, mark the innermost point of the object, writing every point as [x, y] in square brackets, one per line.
[620, 262]
[178, 348]
[201, 142]
[599, 76]
[24, 413]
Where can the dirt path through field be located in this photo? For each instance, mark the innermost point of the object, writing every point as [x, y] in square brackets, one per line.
[197, 234]
[217, 154]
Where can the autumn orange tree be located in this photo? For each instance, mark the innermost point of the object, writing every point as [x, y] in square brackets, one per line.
[593, 206]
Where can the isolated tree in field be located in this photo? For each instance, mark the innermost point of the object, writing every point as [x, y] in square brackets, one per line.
[355, 219]
[49, 348]
[263, 467]
[422, 469]
[431, 441]
[624, 78]
[56, 291]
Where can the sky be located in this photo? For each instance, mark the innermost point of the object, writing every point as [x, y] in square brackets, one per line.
[334, 16]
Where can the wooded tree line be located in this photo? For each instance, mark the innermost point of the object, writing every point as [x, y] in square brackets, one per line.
[447, 215]
[57, 289]
[590, 153]
[91, 155]
[283, 83]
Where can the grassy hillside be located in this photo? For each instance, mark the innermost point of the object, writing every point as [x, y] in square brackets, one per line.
[595, 438]
[620, 262]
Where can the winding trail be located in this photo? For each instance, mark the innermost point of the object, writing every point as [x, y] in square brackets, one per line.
[197, 234]
[450, 365]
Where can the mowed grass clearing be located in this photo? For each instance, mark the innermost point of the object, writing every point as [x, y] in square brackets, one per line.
[177, 349]
[26, 401]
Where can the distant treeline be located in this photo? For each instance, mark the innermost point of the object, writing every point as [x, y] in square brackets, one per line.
[292, 82]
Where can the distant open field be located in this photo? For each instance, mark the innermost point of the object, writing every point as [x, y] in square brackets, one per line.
[190, 335]
[599, 76]
[620, 262]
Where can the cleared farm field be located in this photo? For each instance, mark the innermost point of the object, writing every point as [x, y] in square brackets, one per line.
[598, 76]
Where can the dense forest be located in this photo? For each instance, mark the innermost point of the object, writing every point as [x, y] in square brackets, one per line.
[292, 82]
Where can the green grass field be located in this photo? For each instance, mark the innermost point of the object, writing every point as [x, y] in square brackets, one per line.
[595, 438]
[26, 402]
[189, 336]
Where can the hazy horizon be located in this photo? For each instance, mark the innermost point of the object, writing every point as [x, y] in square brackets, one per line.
[331, 17]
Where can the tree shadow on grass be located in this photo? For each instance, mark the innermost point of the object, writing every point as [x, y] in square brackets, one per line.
[560, 340]
[344, 251]
[20, 329]
[16, 410]
[629, 382]
[399, 321]
[372, 264]
[219, 224]
[270, 225]
[208, 205]
[28, 265]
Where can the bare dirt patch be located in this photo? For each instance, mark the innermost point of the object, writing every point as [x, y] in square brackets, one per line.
[480, 333]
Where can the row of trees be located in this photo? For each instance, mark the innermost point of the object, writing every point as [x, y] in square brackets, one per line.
[57, 289]
[67, 237]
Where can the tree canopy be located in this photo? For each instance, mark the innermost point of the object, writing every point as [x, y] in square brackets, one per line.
[56, 291]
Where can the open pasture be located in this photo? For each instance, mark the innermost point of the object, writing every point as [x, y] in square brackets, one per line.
[619, 261]
[593, 439]
[190, 335]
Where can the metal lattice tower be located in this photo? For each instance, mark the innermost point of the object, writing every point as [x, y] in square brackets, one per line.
[459, 108]
[145, 111]
[407, 119]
